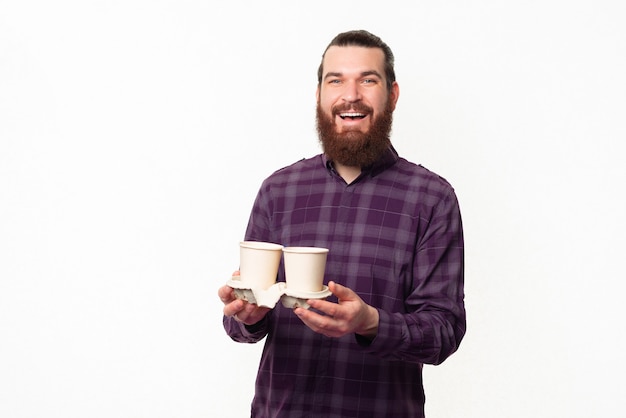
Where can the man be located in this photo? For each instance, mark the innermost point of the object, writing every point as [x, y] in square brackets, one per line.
[395, 265]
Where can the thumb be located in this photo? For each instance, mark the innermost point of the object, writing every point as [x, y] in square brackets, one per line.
[340, 291]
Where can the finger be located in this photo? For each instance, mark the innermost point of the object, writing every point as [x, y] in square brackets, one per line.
[228, 297]
[223, 291]
[341, 292]
[251, 314]
[318, 323]
[313, 319]
[234, 307]
[328, 308]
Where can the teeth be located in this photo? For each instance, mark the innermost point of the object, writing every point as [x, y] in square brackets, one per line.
[352, 115]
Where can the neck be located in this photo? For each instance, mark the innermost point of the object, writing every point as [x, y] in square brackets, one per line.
[348, 173]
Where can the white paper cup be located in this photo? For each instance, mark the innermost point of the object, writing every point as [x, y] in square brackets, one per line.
[258, 263]
[304, 268]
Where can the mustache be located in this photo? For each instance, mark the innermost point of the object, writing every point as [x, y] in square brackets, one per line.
[357, 107]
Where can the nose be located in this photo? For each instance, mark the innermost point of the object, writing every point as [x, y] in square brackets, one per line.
[351, 92]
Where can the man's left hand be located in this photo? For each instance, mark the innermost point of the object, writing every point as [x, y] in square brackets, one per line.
[350, 315]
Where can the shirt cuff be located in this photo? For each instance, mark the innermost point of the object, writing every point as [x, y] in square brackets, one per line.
[388, 340]
[257, 328]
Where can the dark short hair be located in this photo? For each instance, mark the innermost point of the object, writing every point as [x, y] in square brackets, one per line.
[365, 39]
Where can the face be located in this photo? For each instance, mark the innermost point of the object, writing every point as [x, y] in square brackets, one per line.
[354, 105]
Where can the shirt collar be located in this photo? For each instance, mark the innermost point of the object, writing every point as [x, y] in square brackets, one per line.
[386, 160]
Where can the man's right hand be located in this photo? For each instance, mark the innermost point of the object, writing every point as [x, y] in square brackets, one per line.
[241, 310]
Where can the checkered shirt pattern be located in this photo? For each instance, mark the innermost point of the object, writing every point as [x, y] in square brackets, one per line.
[395, 238]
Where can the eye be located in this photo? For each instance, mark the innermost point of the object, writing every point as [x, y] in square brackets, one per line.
[369, 81]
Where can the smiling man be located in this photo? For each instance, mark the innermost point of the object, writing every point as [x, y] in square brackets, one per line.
[355, 104]
[395, 265]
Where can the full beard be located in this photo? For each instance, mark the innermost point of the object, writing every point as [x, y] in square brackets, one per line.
[354, 148]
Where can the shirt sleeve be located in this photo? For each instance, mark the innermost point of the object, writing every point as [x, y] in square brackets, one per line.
[245, 333]
[434, 323]
[257, 230]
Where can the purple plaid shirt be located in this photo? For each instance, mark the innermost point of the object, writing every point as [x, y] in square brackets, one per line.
[396, 239]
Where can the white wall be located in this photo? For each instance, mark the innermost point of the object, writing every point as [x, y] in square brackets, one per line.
[133, 137]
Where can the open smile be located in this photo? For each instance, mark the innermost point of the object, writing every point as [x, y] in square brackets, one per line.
[352, 115]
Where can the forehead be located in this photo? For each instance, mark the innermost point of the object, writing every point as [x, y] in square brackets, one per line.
[353, 59]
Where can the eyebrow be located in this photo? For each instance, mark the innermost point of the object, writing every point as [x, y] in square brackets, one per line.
[363, 74]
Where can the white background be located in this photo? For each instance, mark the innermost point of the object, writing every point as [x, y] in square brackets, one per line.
[134, 135]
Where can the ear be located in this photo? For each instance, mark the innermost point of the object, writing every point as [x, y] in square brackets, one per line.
[317, 93]
[394, 95]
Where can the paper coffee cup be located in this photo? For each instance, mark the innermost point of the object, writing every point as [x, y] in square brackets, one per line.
[258, 263]
[304, 268]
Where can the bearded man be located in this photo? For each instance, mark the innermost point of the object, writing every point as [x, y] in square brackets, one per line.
[395, 265]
